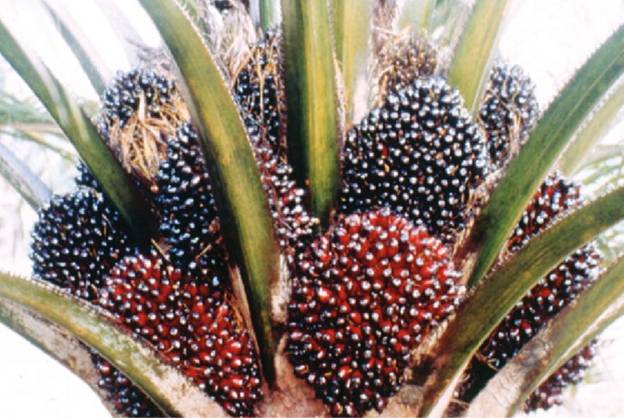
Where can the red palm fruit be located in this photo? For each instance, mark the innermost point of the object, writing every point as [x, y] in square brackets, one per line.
[365, 295]
[191, 324]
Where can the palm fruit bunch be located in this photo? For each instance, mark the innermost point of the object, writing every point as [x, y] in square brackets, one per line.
[364, 293]
[191, 323]
[418, 154]
[508, 112]
[544, 301]
[76, 240]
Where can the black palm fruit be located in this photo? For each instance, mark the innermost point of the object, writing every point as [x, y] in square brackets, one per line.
[508, 113]
[420, 155]
[76, 240]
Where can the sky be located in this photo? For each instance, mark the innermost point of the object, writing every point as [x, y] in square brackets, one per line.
[548, 38]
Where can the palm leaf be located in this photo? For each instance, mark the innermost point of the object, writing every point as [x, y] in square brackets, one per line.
[173, 393]
[567, 334]
[352, 35]
[89, 60]
[269, 14]
[311, 100]
[592, 131]
[473, 54]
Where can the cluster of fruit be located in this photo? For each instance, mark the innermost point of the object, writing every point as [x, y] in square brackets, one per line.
[365, 292]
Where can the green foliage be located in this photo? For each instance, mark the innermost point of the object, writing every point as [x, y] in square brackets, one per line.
[312, 101]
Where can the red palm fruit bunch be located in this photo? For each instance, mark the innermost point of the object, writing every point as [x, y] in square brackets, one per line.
[364, 295]
[191, 323]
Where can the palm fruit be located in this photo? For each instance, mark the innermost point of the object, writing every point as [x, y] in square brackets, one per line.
[545, 300]
[190, 223]
[555, 196]
[365, 294]
[126, 398]
[191, 323]
[259, 91]
[141, 109]
[548, 394]
[420, 155]
[402, 58]
[508, 113]
[76, 240]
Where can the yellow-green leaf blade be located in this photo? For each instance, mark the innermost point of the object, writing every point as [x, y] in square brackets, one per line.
[591, 132]
[352, 25]
[269, 14]
[96, 71]
[311, 100]
[594, 310]
[246, 218]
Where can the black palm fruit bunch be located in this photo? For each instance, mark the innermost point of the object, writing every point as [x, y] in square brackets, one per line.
[323, 210]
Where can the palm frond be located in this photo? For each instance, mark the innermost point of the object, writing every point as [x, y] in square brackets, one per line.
[311, 100]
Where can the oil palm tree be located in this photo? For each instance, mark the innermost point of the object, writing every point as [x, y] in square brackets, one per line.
[308, 210]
